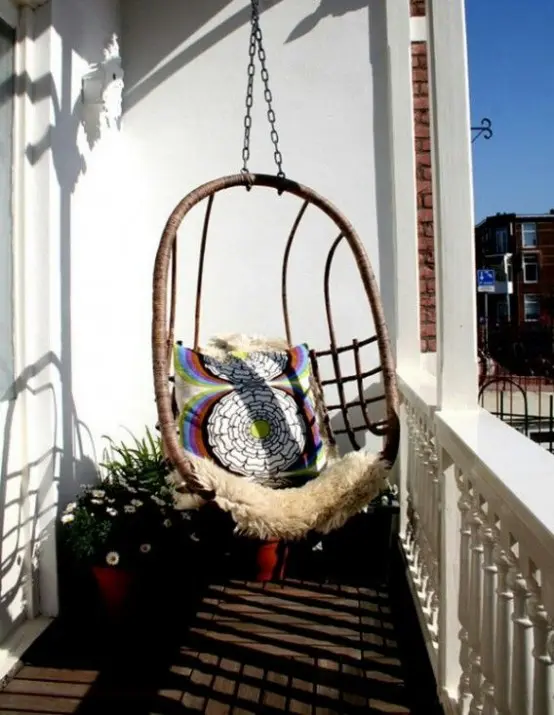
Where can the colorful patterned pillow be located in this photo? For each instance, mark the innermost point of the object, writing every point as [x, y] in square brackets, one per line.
[252, 414]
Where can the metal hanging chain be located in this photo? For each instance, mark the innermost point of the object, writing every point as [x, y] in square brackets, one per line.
[256, 44]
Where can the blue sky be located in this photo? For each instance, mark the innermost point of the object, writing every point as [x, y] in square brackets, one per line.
[511, 72]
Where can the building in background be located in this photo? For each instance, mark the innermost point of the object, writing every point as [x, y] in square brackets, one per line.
[516, 317]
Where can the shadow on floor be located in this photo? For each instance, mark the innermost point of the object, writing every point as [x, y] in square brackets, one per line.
[236, 647]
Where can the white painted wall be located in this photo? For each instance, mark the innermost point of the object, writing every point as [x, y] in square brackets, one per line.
[86, 248]
[185, 80]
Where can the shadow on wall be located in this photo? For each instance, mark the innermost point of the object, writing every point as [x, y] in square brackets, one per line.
[171, 32]
[25, 493]
[326, 8]
[361, 437]
[26, 488]
[61, 140]
[143, 78]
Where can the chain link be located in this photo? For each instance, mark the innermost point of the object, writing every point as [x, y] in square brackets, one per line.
[256, 45]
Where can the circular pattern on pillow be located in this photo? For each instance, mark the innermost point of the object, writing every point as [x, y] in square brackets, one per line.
[256, 431]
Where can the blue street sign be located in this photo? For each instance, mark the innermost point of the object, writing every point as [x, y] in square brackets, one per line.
[486, 280]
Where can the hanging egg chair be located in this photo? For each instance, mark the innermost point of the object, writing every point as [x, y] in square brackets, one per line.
[244, 421]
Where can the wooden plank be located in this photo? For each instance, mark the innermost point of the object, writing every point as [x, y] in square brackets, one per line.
[380, 706]
[337, 608]
[32, 703]
[249, 691]
[47, 687]
[353, 686]
[280, 643]
[327, 697]
[284, 627]
[302, 687]
[62, 675]
[275, 687]
[200, 683]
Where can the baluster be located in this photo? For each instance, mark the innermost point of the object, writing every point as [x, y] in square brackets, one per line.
[411, 538]
[475, 605]
[427, 559]
[490, 572]
[435, 537]
[503, 636]
[522, 645]
[543, 681]
[464, 505]
[409, 486]
[417, 565]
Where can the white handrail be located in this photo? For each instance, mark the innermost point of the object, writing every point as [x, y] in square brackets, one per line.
[477, 504]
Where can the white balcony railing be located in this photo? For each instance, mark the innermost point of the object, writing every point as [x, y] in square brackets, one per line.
[477, 531]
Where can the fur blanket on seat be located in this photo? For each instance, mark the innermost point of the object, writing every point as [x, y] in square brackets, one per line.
[343, 489]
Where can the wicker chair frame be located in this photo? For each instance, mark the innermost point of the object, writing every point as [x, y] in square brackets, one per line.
[163, 331]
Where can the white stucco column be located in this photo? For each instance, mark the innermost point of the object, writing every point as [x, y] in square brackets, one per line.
[453, 206]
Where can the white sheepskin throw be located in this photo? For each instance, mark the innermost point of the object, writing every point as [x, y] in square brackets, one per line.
[343, 489]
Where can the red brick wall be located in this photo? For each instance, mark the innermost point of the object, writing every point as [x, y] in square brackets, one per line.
[420, 83]
[417, 8]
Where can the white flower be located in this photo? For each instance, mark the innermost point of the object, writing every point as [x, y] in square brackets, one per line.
[136, 502]
[96, 501]
[129, 509]
[110, 500]
[167, 523]
[131, 489]
[157, 500]
[195, 538]
[70, 507]
[112, 559]
[68, 518]
[145, 548]
[111, 511]
[98, 493]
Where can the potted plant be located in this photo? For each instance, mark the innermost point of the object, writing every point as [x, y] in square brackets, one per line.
[123, 526]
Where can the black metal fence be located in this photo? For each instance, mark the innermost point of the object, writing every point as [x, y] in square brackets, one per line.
[526, 403]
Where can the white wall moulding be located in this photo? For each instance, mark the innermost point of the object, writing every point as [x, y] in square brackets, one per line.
[402, 144]
[418, 29]
[478, 512]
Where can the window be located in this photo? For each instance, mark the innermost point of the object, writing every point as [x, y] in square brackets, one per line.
[501, 240]
[531, 307]
[530, 264]
[501, 311]
[529, 235]
[7, 40]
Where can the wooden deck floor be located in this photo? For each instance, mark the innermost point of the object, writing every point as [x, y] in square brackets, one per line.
[251, 648]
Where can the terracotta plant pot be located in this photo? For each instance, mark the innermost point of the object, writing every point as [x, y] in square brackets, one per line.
[271, 558]
[114, 586]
